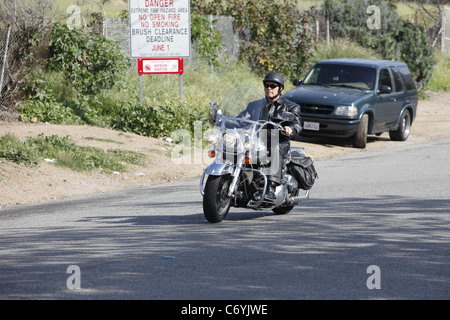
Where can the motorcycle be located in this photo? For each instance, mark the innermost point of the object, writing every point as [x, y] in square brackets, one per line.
[242, 161]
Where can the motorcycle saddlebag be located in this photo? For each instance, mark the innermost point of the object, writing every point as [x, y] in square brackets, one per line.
[302, 169]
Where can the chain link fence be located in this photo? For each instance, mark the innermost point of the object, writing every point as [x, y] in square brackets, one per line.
[9, 44]
[118, 30]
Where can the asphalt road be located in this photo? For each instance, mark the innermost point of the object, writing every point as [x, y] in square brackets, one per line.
[387, 208]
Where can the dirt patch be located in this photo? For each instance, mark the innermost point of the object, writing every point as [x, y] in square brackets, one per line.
[23, 185]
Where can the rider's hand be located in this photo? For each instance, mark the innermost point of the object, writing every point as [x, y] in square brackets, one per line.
[287, 131]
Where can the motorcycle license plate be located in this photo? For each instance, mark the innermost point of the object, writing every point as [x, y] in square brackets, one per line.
[307, 125]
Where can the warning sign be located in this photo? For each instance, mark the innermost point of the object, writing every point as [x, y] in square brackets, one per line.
[160, 66]
[159, 28]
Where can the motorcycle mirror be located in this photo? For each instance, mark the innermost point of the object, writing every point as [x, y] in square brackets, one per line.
[213, 105]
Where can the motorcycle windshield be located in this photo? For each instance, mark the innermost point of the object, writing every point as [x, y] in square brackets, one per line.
[233, 104]
[237, 99]
[230, 123]
[234, 135]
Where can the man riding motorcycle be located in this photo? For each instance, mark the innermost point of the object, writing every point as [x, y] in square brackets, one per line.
[271, 108]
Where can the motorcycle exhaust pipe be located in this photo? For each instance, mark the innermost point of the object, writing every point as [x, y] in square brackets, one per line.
[298, 199]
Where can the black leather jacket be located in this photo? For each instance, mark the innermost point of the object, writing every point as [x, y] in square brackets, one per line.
[263, 110]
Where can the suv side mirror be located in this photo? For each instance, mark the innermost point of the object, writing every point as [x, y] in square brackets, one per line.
[385, 89]
[297, 82]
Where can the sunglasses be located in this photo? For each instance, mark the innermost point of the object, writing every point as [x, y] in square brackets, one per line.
[270, 85]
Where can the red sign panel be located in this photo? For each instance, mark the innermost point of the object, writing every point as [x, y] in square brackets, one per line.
[160, 66]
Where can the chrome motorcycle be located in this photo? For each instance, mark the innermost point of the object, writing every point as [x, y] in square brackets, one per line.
[242, 161]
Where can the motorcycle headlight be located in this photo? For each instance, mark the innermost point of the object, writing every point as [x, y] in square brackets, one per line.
[230, 140]
[213, 138]
[248, 145]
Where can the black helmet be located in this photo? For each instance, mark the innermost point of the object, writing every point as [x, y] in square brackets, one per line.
[274, 77]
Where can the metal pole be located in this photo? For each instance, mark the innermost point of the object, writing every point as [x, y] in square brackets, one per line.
[317, 29]
[328, 31]
[181, 89]
[5, 56]
[141, 99]
[210, 18]
[444, 16]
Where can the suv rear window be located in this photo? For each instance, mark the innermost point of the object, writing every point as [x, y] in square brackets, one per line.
[397, 81]
[407, 78]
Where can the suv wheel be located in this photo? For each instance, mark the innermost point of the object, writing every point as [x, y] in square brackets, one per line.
[402, 133]
[360, 137]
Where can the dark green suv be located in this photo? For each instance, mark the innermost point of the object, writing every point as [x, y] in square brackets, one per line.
[351, 98]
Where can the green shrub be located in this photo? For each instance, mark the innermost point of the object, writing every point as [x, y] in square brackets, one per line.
[158, 121]
[441, 76]
[91, 63]
[396, 39]
[137, 119]
[274, 37]
[47, 110]
[13, 150]
[341, 48]
[208, 41]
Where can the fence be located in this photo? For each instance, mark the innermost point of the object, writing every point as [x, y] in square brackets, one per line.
[118, 30]
[9, 44]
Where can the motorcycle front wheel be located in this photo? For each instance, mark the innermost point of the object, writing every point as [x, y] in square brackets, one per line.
[216, 203]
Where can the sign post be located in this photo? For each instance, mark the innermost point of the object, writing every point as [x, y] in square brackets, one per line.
[160, 66]
[160, 34]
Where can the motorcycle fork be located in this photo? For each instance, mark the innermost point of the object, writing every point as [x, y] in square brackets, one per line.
[236, 174]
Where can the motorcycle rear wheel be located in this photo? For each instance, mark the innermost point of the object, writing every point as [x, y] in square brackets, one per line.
[216, 203]
[282, 210]
[285, 209]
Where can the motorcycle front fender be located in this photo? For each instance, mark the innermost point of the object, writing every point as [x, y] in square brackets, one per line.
[219, 169]
[215, 169]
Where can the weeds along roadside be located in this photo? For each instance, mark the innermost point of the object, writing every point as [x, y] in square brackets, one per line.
[62, 151]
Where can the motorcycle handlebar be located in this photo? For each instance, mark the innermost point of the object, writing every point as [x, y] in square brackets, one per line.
[264, 123]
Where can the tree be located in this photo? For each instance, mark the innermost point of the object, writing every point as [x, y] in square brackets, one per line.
[432, 17]
[396, 39]
[274, 37]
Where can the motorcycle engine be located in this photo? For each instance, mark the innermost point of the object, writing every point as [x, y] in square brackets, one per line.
[291, 183]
